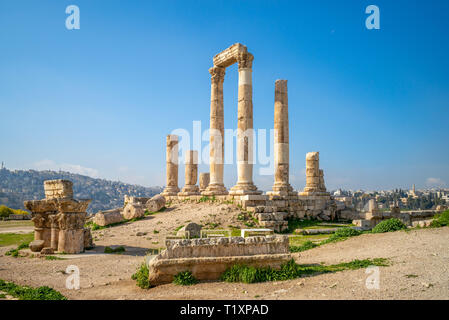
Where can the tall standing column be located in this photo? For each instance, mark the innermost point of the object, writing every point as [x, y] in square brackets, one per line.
[245, 132]
[172, 166]
[191, 174]
[216, 185]
[281, 140]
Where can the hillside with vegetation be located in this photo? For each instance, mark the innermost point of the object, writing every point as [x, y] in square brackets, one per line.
[19, 185]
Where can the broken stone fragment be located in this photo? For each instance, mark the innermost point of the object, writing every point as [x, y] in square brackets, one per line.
[36, 245]
[156, 203]
[47, 250]
[191, 230]
[133, 210]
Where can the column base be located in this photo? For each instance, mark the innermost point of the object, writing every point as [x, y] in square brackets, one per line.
[215, 190]
[170, 191]
[244, 189]
[189, 190]
[284, 189]
[313, 193]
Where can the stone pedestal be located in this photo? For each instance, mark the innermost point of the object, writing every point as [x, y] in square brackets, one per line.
[281, 185]
[172, 188]
[245, 132]
[191, 174]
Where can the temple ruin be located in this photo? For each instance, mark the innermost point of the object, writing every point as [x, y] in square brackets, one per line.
[59, 220]
[278, 204]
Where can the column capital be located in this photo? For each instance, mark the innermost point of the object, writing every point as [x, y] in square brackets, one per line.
[245, 60]
[217, 74]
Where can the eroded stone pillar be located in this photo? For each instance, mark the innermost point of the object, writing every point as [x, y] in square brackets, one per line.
[171, 188]
[216, 185]
[281, 140]
[191, 174]
[245, 132]
[204, 181]
[312, 174]
[71, 232]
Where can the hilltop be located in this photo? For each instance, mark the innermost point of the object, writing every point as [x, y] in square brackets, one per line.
[19, 185]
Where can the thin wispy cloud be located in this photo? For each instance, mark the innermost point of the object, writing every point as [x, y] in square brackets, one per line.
[73, 168]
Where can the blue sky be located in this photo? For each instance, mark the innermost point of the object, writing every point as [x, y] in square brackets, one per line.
[100, 100]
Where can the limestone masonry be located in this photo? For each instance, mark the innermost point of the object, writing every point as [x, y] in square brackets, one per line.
[208, 258]
[281, 202]
[59, 220]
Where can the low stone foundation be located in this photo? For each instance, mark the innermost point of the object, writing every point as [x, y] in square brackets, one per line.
[416, 218]
[272, 211]
[208, 258]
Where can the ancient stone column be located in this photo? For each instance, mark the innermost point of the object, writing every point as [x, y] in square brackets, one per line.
[322, 184]
[281, 140]
[191, 174]
[204, 181]
[54, 231]
[71, 232]
[312, 173]
[171, 166]
[216, 186]
[245, 132]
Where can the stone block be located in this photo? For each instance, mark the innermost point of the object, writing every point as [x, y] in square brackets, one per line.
[36, 245]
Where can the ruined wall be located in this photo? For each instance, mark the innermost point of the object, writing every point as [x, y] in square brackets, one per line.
[225, 247]
[208, 258]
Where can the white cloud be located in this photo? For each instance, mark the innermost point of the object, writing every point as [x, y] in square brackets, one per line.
[434, 182]
[73, 168]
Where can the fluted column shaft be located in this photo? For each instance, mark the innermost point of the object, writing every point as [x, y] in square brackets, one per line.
[171, 188]
[216, 155]
[245, 131]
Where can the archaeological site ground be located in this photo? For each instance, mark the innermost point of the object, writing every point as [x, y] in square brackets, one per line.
[272, 209]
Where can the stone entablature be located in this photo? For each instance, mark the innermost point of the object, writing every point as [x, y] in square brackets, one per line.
[208, 258]
[59, 219]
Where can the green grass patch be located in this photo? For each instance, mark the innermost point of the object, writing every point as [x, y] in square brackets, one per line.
[389, 225]
[8, 239]
[53, 258]
[440, 220]
[184, 278]
[115, 250]
[305, 246]
[28, 293]
[15, 252]
[292, 270]
[141, 276]
[342, 234]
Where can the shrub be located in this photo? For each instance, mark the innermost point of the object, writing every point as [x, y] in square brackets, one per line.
[389, 225]
[5, 211]
[141, 276]
[185, 278]
[342, 234]
[440, 220]
[116, 250]
[305, 246]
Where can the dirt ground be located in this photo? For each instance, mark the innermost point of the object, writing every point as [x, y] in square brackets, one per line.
[418, 270]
